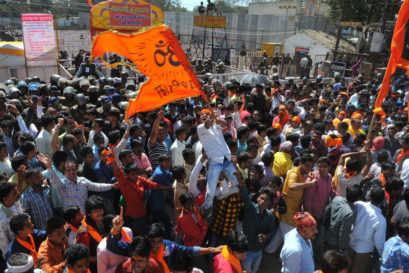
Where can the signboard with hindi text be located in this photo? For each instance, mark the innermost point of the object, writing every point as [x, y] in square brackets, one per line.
[40, 45]
[209, 21]
[127, 15]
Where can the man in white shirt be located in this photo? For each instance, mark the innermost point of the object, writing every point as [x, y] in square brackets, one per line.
[9, 206]
[220, 158]
[404, 175]
[368, 232]
[44, 138]
[178, 146]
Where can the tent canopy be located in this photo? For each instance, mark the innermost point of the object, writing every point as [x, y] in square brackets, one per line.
[11, 54]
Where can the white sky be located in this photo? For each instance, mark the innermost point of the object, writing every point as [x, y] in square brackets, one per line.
[190, 4]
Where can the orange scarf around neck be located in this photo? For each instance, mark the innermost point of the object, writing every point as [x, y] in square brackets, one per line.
[402, 154]
[72, 228]
[351, 174]
[199, 219]
[382, 179]
[91, 230]
[231, 259]
[158, 256]
[30, 246]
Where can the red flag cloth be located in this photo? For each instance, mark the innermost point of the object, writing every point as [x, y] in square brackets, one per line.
[159, 56]
[397, 46]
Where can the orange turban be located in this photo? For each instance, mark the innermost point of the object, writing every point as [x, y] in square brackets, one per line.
[323, 101]
[344, 94]
[335, 122]
[357, 115]
[206, 110]
[342, 113]
[278, 125]
[296, 119]
[304, 220]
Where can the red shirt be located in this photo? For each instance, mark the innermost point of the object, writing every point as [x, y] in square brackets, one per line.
[133, 193]
[193, 233]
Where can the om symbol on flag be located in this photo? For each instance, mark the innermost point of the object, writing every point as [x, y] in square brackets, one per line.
[160, 55]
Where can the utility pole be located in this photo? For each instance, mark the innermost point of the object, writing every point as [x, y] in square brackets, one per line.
[341, 17]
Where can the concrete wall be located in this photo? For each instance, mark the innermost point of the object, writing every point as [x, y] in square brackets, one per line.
[272, 8]
[303, 40]
[308, 8]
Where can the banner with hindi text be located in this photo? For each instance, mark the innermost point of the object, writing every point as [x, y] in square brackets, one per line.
[40, 45]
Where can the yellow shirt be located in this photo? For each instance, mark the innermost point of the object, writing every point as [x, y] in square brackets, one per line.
[354, 132]
[14, 179]
[293, 199]
[282, 163]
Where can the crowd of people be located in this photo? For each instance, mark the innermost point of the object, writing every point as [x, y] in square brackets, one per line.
[292, 171]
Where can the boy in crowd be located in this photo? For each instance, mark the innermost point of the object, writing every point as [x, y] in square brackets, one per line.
[27, 239]
[53, 248]
[73, 217]
[77, 259]
[94, 209]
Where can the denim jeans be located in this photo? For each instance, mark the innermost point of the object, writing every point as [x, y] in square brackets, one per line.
[213, 176]
[252, 261]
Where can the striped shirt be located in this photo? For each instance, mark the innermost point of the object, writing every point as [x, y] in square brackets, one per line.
[38, 206]
[75, 193]
[155, 151]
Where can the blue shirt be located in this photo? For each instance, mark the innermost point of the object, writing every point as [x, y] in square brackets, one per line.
[296, 254]
[102, 170]
[15, 247]
[122, 248]
[395, 255]
[157, 198]
[38, 206]
[35, 164]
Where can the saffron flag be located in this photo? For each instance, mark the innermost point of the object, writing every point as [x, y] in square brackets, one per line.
[395, 60]
[159, 56]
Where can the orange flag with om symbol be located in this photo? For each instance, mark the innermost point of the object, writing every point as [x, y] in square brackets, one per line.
[396, 59]
[159, 56]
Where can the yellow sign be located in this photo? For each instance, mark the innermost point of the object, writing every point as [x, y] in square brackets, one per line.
[127, 16]
[210, 21]
[351, 24]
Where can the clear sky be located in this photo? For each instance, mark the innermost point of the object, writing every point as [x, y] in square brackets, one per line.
[190, 4]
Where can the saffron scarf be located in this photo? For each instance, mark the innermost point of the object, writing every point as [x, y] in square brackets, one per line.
[231, 259]
[30, 246]
[158, 256]
[351, 174]
[74, 229]
[402, 154]
[91, 230]
[196, 216]
[382, 178]
[109, 153]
